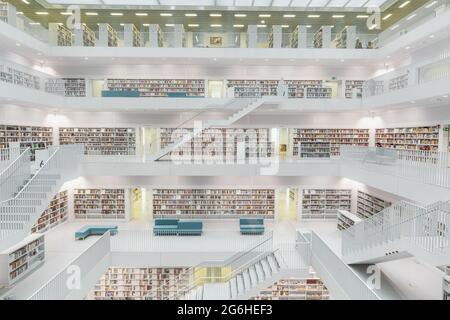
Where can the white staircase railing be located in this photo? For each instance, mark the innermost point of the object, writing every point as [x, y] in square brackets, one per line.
[199, 274]
[248, 105]
[404, 227]
[19, 213]
[14, 175]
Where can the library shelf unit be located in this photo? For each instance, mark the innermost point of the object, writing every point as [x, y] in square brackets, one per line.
[28, 136]
[207, 143]
[136, 283]
[4, 12]
[68, 87]
[346, 219]
[21, 259]
[253, 88]
[99, 203]
[64, 37]
[318, 38]
[88, 36]
[399, 82]
[136, 36]
[295, 289]
[324, 203]
[214, 203]
[113, 39]
[335, 137]
[341, 39]
[294, 37]
[11, 75]
[101, 141]
[316, 150]
[353, 89]
[412, 138]
[159, 87]
[368, 205]
[56, 213]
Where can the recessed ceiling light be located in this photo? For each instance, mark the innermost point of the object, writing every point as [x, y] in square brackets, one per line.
[309, 26]
[141, 14]
[91, 13]
[146, 24]
[411, 16]
[240, 15]
[116, 14]
[432, 36]
[404, 4]
[19, 12]
[430, 4]
[238, 25]
[41, 13]
[342, 60]
[264, 15]
[86, 58]
[408, 47]
[17, 44]
[362, 16]
[216, 25]
[314, 16]
[34, 23]
[190, 14]
[338, 16]
[215, 59]
[26, 1]
[165, 14]
[395, 27]
[215, 14]
[288, 15]
[65, 13]
[193, 25]
[122, 24]
[285, 26]
[372, 27]
[263, 21]
[170, 25]
[387, 16]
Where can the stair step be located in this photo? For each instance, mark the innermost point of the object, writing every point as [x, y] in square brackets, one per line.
[233, 287]
[253, 275]
[199, 293]
[278, 259]
[260, 272]
[32, 195]
[266, 267]
[240, 284]
[247, 280]
[272, 263]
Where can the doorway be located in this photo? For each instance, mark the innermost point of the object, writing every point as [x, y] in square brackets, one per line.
[287, 204]
[138, 203]
[215, 88]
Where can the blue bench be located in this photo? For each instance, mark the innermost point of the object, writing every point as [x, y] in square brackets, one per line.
[177, 227]
[251, 225]
[87, 231]
[122, 94]
[165, 227]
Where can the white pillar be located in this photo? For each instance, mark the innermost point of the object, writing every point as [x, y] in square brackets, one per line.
[153, 31]
[277, 35]
[128, 35]
[178, 36]
[102, 35]
[326, 36]
[252, 31]
[351, 37]
[302, 37]
[78, 37]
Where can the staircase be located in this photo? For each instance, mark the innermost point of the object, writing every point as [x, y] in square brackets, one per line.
[19, 213]
[251, 104]
[400, 231]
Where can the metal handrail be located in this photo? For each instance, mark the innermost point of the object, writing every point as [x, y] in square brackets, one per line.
[221, 263]
[25, 155]
[15, 160]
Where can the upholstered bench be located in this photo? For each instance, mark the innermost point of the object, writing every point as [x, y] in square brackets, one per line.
[165, 227]
[190, 228]
[251, 225]
[87, 231]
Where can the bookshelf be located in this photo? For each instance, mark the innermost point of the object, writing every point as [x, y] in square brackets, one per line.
[64, 36]
[101, 141]
[55, 214]
[214, 203]
[252, 88]
[21, 259]
[315, 149]
[206, 144]
[69, 87]
[28, 136]
[318, 138]
[307, 89]
[11, 75]
[136, 283]
[113, 39]
[368, 205]
[409, 138]
[136, 36]
[352, 87]
[324, 203]
[4, 12]
[294, 37]
[318, 38]
[295, 289]
[346, 219]
[88, 36]
[158, 87]
[399, 82]
[99, 203]
[341, 39]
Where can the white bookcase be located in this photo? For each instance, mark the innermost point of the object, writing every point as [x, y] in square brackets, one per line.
[159, 87]
[324, 203]
[409, 138]
[56, 213]
[99, 203]
[213, 203]
[368, 205]
[399, 82]
[295, 289]
[101, 141]
[136, 283]
[7, 13]
[353, 89]
[346, 219]
[11, 75]
[319, 138]
[21, 259]
[68, 87]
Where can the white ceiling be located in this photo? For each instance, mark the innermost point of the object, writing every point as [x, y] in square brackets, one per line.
[266, 4]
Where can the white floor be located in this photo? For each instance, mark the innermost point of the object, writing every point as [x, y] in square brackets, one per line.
[413, 280]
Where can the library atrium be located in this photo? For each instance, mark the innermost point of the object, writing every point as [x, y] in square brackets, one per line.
[224, 150]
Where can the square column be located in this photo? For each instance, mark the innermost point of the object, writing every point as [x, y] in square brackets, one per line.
[252, 33]
[277, 34]
[178, 39]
